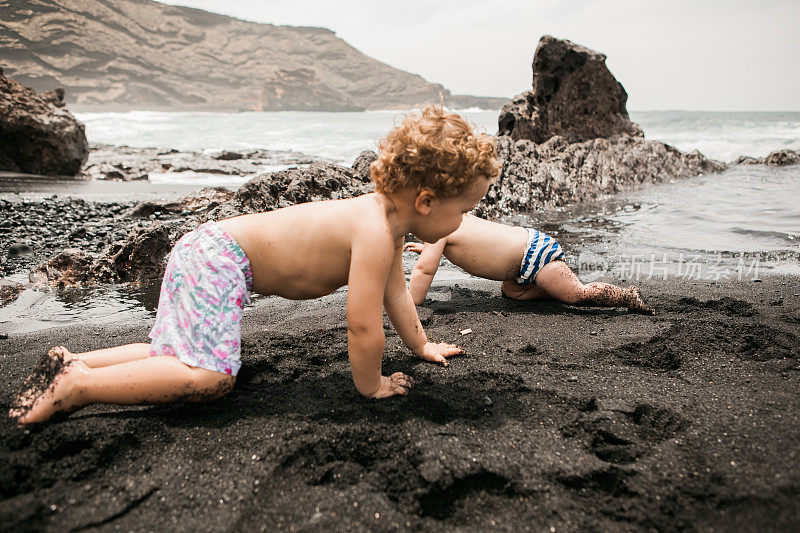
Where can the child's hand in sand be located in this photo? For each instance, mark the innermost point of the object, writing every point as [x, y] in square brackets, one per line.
[397, 383]
[435, 352]
[415, 247]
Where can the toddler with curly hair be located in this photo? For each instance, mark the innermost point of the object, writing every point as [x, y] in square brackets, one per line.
[431, 170]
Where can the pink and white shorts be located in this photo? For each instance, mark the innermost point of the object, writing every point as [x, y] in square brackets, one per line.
[202, 297]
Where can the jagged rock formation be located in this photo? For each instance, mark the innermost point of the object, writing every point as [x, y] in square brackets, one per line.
[138, 258]
[558, 173]
[294, 186]
[362, 163]
[144, 54]
[37, 136]
[574, 95]
[299, 90]
[570, 139]
[778, 158]
[197, 202]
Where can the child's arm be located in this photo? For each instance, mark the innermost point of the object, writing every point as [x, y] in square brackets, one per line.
[370, 260]
[403, 315]
[426, 267]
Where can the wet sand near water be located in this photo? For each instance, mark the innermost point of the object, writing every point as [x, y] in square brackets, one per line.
[558, 417]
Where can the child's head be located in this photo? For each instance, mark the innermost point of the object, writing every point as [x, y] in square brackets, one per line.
[436, 150]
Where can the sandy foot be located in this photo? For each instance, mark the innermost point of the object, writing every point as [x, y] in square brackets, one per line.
[637, 303]
[41, 377]
[42, 398]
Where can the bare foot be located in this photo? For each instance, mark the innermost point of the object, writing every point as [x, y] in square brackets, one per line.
[636, 303]
[60, 395]
[60, 352]
[48, 367]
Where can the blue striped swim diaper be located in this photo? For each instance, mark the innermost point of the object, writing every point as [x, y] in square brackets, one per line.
[540, 250]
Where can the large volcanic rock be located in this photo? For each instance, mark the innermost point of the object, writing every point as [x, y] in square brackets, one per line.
[574, 95]
[558, 173]
[37, 136]
[570, 139]
[299, 90]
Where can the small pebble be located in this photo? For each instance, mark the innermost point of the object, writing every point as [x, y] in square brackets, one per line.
[756, 280]
[3, 335]
[592, 333]
[487, 401]
[572, 379]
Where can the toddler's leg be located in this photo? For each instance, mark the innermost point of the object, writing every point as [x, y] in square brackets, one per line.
[159, 379]
[104, 357]
[557, 280]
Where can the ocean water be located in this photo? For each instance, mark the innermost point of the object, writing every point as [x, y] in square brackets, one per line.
[741, 224]
[342, 136]
[723, 136]
[336, 136]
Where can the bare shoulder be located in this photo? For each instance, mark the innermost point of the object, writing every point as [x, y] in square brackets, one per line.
[369, 225]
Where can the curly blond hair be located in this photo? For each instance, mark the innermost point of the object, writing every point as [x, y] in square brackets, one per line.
[433, 149]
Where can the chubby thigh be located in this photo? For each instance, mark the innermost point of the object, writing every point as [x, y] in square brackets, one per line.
[201, 303]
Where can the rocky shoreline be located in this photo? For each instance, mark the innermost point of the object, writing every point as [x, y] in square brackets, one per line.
[568, 140]
[124, 163]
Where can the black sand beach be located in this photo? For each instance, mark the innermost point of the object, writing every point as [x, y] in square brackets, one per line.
[559, 418]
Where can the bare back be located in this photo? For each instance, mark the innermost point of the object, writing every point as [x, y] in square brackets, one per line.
[486, 249]
[304, 251]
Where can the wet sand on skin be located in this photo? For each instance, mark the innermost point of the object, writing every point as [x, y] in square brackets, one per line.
[559, 416]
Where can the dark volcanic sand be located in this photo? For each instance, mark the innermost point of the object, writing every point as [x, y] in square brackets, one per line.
[559, 417]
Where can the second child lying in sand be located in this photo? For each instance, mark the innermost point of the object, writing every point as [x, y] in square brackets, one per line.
[528, 262]
[431, 170]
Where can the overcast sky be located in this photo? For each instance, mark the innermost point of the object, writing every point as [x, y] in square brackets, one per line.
[678, 54]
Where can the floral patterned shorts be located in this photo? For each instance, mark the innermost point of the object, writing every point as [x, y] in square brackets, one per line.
[203, 294]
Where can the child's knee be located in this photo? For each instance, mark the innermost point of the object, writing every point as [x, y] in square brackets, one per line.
[209, 385]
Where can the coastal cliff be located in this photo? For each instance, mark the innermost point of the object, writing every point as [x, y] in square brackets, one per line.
[146, 55]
